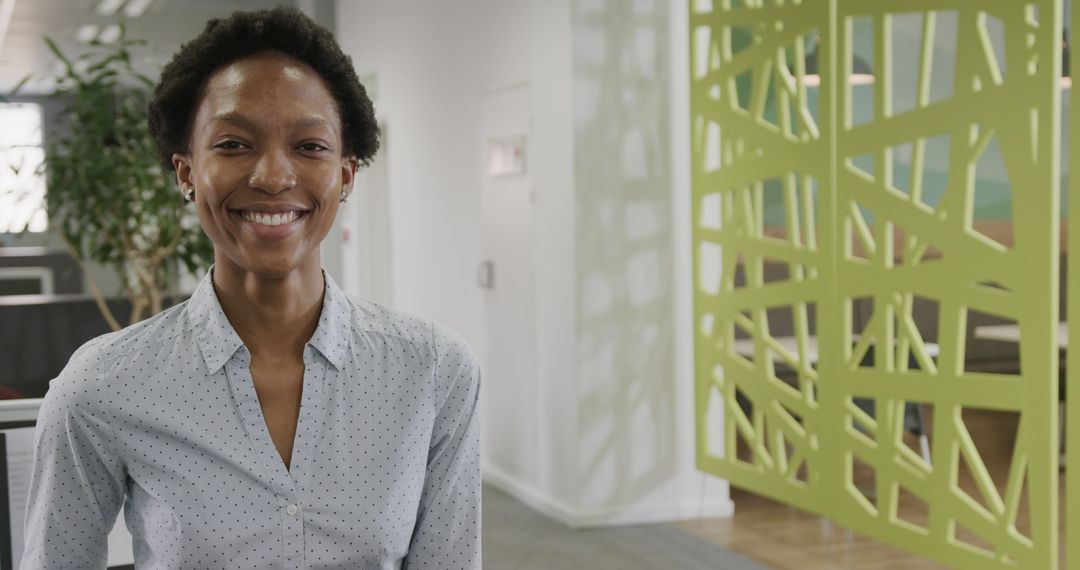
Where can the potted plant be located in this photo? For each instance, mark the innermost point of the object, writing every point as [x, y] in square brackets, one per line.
[108, 196]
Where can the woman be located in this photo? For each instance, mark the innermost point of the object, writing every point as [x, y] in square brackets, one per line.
[269, 421]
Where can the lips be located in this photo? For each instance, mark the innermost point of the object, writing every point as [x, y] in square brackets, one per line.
[271, 219]
[270, 223]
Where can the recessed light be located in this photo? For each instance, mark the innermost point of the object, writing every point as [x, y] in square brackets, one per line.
[135, 8]
[110, 34]
[86, 33]
[7, 8]
[108, 7]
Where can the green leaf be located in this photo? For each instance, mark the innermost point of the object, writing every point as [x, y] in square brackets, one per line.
[59, 54]
[18, 86]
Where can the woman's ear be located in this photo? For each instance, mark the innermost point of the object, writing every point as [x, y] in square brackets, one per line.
[349, 167]
[182, 164]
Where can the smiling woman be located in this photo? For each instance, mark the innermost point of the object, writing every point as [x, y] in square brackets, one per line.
[269, 421]
[265, 149]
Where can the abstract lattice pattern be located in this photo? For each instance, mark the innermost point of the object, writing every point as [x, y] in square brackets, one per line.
[833, 297]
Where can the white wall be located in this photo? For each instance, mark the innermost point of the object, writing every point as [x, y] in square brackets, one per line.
[432, 61]
[421, 54]
[528, 42]
[614, 442]
[635, 401]
[549, 39]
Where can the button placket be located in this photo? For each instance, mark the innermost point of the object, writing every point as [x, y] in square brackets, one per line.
[310, 420]
[292, 527]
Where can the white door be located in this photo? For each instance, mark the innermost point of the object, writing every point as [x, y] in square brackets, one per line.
[510, 392]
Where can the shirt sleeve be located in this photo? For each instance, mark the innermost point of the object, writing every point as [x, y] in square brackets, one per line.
[77, 481]
[447, 532]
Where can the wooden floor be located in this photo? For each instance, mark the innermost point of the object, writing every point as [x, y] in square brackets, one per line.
[783, 537]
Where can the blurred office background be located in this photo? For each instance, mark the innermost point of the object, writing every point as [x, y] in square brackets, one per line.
[533, 191]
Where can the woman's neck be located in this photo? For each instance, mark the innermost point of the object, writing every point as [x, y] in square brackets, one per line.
[274, 317]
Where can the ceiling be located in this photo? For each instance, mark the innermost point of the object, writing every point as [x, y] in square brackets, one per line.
[165, 23]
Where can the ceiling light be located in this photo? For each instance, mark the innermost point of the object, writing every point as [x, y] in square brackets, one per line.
[110, 34]
[86, 33]
[135, 8]
[7, 8]
[108, 7]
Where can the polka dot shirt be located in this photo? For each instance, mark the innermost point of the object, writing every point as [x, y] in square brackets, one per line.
[162, 418]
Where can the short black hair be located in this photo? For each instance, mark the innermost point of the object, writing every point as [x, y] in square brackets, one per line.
[226, 40]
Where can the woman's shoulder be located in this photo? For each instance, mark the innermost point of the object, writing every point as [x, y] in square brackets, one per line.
[159, 328]
[440, 340]
[102, 352]
[372, 318]
[84, 382]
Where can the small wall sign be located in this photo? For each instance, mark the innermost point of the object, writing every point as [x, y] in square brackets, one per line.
[506, 156]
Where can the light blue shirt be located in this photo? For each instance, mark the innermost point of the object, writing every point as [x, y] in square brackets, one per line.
[384, 469]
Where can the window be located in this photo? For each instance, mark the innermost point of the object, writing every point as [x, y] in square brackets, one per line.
[22, 179]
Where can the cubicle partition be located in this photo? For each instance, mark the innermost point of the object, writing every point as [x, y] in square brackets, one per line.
[38, 271]
[39, 333]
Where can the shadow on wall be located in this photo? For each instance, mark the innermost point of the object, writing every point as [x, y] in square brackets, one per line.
[625, 311]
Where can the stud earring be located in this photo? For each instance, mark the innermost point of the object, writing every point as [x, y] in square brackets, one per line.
[344, 196]
[189, 194]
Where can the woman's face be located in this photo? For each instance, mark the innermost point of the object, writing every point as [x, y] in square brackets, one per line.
[266, 164]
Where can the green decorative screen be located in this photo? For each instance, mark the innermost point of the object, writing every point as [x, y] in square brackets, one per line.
[841, 149]
[1072, 435]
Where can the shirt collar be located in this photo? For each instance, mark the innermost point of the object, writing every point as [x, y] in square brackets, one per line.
[331, 337]
[218, 340]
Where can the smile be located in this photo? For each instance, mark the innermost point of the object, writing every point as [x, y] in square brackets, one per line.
[266, 219]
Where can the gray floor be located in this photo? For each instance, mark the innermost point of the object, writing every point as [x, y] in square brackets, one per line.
[518, 538]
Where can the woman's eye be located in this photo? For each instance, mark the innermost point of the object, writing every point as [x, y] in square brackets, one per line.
[312, 147]
[229, 145]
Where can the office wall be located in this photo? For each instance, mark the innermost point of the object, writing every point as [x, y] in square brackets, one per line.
[420, 53]
[529, 43]
[432, 62]
[634, 412]
[607, 427]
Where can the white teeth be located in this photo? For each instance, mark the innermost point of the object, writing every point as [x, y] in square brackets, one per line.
[270, 219]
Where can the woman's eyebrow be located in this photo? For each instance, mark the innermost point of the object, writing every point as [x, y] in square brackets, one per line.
[233, 117]
[244, 121]
[315, 122]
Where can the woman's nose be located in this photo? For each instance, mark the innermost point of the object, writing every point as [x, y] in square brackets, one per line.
[273, 173]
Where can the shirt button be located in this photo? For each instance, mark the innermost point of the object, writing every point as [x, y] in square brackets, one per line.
[292, 510]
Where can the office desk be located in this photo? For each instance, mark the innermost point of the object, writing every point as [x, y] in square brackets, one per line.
[1011, 333]
[745, 346]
